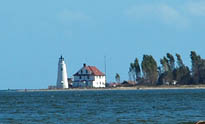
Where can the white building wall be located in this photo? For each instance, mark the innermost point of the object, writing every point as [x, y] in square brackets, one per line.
[93, 81]
[99, 82]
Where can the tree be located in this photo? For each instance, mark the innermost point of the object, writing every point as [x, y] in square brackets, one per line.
[168, 65]
[165, 65]
[198, 68]
[131, 72]
[149, 69]
[202, 71]
[171, 61]
[137, 68]
[117, 78]
[168, 71]
[182, 72]
[196, 60]
[179, 60]
[134, 70]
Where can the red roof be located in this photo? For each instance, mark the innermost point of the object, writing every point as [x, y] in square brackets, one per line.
[94, 71]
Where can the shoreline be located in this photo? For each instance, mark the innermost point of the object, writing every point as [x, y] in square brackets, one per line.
[163, 87]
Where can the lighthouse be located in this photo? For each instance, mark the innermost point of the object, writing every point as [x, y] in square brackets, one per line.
[62, 79]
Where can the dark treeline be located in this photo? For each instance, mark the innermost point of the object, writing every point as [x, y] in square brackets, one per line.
[170, 71]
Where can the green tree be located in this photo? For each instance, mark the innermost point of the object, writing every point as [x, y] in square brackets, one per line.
[131, 72]
[137, 68]
[202, 72]
[117, 78]
[171, 61]
[198, 68]
[165, 65]
[179, 60]
[196, 60]
[168, 65]
[182, 72]
[134, 70]
[149, 69]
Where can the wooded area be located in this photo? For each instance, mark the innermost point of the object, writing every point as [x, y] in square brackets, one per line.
[170, 71]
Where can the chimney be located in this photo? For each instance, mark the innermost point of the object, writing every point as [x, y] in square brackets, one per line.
[84, 65]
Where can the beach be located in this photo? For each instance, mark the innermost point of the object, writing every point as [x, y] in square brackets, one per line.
[140, 87]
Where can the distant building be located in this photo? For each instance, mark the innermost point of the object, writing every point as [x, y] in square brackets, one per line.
[70, 82]
[128, 83]
[62, 79]
[51, 87]
[89, 76]
[114, 84]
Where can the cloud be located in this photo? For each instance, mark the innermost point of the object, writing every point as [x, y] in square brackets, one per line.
[178, 15]
[169, 14]
[71, 20]
[195, 8]
[68, 16]
[162, 13]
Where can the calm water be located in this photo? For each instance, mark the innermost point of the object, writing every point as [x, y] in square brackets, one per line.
[103, 107]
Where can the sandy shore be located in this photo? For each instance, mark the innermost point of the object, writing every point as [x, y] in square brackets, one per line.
[163, 87]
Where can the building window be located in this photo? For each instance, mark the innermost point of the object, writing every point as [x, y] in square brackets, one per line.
[81, 71]
[80, 77]
[88, 77]
[86, 71]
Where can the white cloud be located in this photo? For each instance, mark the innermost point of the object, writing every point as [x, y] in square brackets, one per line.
[195, 8]
[67, 16]
[162, 13]
[179, 15]
[170, 15]
[71, 20]
[139, 11]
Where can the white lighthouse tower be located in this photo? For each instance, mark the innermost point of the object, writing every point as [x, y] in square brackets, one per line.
[62, 80]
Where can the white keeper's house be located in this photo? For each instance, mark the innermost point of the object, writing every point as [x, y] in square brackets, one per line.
[89, 76]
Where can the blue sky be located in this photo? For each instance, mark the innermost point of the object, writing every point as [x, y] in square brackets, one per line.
[35, 33]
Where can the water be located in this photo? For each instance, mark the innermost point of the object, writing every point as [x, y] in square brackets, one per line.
[103, 107]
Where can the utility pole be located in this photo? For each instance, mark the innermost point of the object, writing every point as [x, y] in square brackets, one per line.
[105, 68]
[105, 64]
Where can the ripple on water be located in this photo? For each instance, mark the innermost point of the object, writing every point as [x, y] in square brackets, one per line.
[104, 107]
